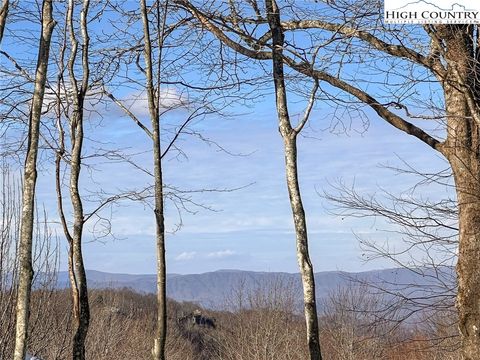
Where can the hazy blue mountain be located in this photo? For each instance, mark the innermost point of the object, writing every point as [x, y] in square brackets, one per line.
[211, 289]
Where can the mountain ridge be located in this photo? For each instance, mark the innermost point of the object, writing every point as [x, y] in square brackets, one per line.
[213, 289]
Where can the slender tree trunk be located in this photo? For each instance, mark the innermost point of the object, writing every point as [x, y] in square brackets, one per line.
[78, 278]
[82, 310]
[79, 338]
[161, 332]
[289, 136]
[3, 17]
[303, 257]
[71, 272]
[30, 177]
[153, 106]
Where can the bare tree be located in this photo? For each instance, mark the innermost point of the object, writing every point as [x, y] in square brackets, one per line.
[161, 23]
[153, 95]
[331, 41]
[30, 175]
[427, 230]
[9, 235]
[76, 91]
[289, 134]
[45, 256]
[452, 62]
[452, 45]
[68, 99]
[265, 323]
[352, 329]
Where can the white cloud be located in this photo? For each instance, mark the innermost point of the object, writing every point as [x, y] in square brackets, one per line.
[187, 255]
[221, 254]
[136, 101]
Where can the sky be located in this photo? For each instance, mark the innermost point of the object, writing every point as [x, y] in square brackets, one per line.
[248, 223]
[244, 219]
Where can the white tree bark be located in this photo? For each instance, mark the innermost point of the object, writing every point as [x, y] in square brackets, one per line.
[153, 94]
[289, 135]
[30, 178]
[3, 17]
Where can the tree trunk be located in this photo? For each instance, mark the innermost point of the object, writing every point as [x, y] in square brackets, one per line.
[303, 257]
[161, 332]
[462, 151]
[30, 178]
[82, 309]
[3, 17]
[468, 269]
[289, 136]
[78, 278]
[153, 107]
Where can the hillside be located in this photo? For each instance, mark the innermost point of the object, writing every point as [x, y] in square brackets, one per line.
[211, 289]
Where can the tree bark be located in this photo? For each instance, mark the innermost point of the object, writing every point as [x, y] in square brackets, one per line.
[289, 136]
[30, 178]
[468, 269]
[158, 350]
[465, 167]
[3, 17]
[462, 151]
[81, 306]
[303, 257]
[77, 274]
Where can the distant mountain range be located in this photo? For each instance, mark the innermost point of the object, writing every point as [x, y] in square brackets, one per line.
[213, 289]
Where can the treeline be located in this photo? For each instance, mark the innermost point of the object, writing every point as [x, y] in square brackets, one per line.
[259, 325]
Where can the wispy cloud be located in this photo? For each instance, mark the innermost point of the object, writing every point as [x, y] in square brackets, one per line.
[96, 104]
[221, 254]
[190, 255]
[187, 255]
[137, 102]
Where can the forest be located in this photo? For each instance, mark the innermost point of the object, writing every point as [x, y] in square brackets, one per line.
[103, 106]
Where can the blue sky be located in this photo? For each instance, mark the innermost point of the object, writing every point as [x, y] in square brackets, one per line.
[250, 228]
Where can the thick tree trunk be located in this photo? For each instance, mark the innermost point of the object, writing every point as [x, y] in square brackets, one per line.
[462, 151]
[30, 177]
[468, 269]
[289, 136]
